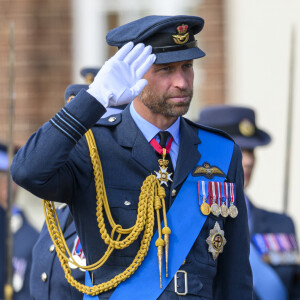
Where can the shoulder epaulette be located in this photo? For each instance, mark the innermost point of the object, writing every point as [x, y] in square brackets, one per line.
[210, 129]
[111, 120]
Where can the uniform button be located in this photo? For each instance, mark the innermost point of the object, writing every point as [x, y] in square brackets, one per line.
[127, 203]
[52, 248]
[173, 194]
[184, 262]
[112, 119]
[44, 277]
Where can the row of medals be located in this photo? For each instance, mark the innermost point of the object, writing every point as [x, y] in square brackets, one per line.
[217, 210]
[205, 208]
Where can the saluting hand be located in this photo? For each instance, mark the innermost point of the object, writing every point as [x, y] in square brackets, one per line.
[119, 81]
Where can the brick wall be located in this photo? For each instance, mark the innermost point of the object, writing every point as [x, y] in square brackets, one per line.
[212, 37]
[42, 39]
[43, 60]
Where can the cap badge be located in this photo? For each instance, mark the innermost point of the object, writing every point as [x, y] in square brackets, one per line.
[216, 241]
[183, 35]
[89, 78]
[207, 171]
[246, 127]
[70, 98]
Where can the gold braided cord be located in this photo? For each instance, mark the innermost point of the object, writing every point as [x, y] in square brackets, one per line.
[56, 234]
[151, 197]
[134, 231]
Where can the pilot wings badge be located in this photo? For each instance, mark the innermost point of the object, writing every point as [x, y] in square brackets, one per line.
[208, 171]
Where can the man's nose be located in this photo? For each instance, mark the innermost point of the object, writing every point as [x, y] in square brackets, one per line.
[180, 80]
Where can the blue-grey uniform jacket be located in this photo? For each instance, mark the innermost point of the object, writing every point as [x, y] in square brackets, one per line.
[264, 222]
[55, 165]
[47, 278]
[24, 237]
[2, 251]
[23, 241]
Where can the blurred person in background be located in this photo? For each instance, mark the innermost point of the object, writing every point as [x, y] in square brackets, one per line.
[47, 278]
[89, 74]
[274, 250]
[24, 237]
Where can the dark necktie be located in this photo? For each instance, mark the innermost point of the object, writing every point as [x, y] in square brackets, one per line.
[163, 137]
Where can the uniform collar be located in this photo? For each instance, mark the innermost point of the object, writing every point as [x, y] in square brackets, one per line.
[149, 130]
[129, 135]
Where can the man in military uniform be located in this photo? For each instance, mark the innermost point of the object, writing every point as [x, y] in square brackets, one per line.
[24, 237]
[274, 251]
[205, 257]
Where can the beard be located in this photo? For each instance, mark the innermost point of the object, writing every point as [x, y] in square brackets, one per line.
[160, 104]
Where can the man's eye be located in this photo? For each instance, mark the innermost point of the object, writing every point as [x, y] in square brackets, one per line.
[165, 69]
[188, 66]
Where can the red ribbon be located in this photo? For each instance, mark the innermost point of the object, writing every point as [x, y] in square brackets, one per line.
[158, 148]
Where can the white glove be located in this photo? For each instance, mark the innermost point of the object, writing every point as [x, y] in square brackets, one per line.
[119, 80]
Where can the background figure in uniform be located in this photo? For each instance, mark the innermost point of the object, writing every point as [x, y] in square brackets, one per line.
[3, 185]
[89, 74]
[47, 279]
[273, 234]
[24, 237]
[205, 261]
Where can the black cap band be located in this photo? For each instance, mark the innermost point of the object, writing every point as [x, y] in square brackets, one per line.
[174, 48]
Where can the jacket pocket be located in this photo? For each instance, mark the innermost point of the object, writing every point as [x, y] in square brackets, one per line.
[200, 250]
[123, 205]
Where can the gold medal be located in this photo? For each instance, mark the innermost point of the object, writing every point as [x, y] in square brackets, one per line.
[233, 211]
[205, 208]
[224, 210]
[215, 209]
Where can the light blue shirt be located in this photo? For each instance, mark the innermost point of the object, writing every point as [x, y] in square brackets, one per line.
[150, 131]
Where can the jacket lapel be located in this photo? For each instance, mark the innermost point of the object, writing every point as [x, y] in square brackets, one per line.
[143, 153]
[188, 154]
[131, 137]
